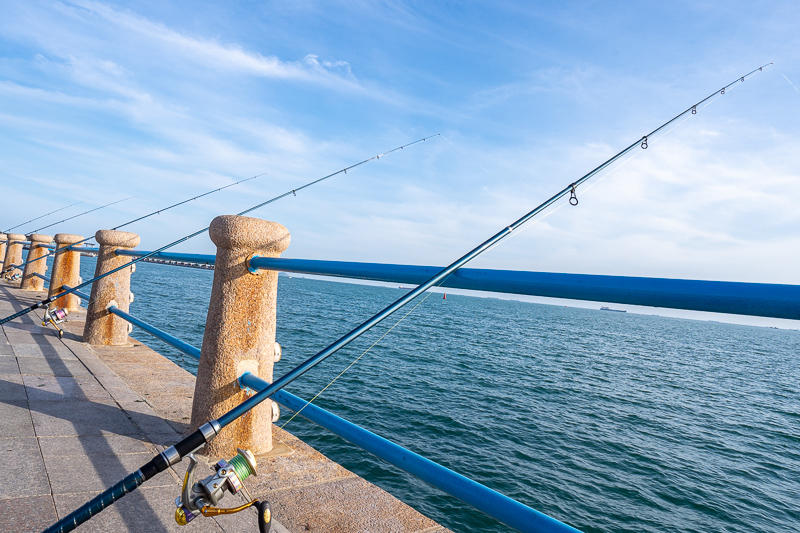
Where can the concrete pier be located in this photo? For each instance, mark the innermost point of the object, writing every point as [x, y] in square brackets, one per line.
[3, 246]
[13, 253]
[240, 331]
[66, 270]
[103, 328]
[35, 264]
[75, 418]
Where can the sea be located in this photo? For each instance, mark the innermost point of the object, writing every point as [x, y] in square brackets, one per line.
[610, 422]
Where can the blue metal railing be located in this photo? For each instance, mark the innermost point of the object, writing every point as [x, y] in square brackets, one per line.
[753, 299]
[79, 294]
[507, 510]
[757, 299]
[45, 278]
[491, 502]
[205, 259]
[152, 330]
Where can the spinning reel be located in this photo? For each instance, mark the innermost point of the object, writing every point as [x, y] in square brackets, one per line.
[203, 496]
[55, 317]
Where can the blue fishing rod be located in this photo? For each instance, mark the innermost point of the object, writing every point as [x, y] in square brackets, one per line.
[293, 192]
[209, 430]
[157, 212]
[81, 214]
[12, 267]
[45, 215]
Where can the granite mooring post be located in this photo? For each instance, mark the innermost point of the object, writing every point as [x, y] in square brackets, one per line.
[3, 243]
[240, 332]
[66, 270]
[13, 253]
[103, 328]
[34, 263]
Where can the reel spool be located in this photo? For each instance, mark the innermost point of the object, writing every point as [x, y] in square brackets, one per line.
[203, 496]
[55, 317]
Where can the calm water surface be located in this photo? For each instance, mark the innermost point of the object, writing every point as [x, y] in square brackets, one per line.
[606, 421]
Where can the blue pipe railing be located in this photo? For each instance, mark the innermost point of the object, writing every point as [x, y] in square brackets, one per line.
[154, 331]
[79, 294]
[756, 299]
[205, 259]
[76, 248]
[753, 299]
[505, 509]
[496, 505]
[45, 278]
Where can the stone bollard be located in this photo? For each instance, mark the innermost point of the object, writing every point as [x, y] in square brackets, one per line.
[34, 264]
[13, 253]
[3, 243]
[240, 332]
[103, 328]
[66, 271]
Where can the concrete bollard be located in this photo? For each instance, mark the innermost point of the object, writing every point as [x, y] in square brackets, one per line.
[35, 265]
[103, 328]
[66, 271]
[240, 332]
[3, 243]
[13, 253]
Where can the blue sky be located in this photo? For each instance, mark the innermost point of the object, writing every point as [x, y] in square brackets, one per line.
[102, 100]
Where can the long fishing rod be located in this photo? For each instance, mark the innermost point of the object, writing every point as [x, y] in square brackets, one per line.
[81, 214]
[293, 192]
[159, 211]
[209, 430]
[12, 267]
[37, 218]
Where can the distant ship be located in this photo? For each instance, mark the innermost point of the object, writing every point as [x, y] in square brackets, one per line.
[615, 310]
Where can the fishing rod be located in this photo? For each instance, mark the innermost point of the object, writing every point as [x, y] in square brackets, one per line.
[159, 211]
[12, 267]
[37, 218]
[81, 214]
[293, 192]
[209, 430]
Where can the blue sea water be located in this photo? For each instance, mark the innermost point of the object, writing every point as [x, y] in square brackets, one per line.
[606, 421]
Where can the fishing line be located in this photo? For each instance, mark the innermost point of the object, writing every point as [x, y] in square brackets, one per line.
[602, 177]
[12, 267]
[209, 430]
[81, 214]
[356, 360]
[157, 212]
[37, 218]
[292, 192]
[790, 83]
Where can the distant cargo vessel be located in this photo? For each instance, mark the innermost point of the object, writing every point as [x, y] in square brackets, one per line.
[615, 310]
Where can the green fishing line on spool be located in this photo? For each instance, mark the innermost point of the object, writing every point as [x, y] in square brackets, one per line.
[241, 466]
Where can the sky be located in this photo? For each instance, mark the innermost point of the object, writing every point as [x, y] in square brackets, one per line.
[166, 100]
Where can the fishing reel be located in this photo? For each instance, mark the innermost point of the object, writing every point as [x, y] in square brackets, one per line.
[203, 496]
[13, 275]
[55, 317]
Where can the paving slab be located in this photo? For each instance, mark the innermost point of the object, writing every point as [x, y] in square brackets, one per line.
[92, 444]
[24, 472]
[43, 350]
[51, 366]
[8, 365]
[30, 514]
[57, 388]
[15, 421]
[12, 387]
[79, 417]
